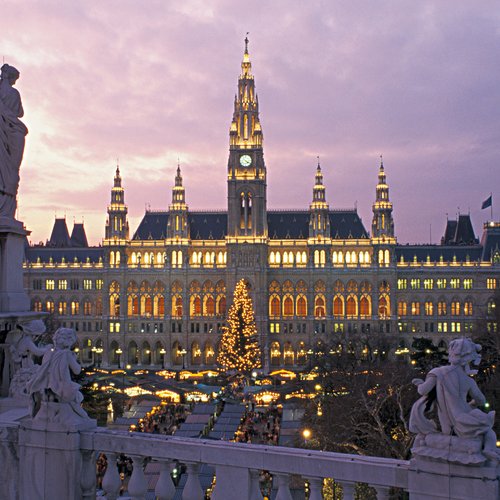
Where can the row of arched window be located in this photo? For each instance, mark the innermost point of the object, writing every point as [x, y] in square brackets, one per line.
[71, 307]
[148, 300]
[300, 258]
[441, 307]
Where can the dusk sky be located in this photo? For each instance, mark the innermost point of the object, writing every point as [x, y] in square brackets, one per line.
[152, 81]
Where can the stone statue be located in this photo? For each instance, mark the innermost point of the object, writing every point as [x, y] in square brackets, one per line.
[465, 434]
[22, 352]
[55, 397]
[12, 138]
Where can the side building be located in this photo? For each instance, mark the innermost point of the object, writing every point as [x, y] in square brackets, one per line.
[315, 274]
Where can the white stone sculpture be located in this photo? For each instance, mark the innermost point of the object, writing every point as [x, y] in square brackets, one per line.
[12, 138]
[22, 351]
[465, 435]
[55, 397]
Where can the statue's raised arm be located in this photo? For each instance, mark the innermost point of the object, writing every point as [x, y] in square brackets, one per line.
[465, 433]
[12, 138]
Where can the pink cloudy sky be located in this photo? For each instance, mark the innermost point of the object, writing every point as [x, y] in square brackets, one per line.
[151, 81]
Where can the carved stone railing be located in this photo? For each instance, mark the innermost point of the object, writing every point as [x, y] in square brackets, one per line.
[41, 462]
[237, 465]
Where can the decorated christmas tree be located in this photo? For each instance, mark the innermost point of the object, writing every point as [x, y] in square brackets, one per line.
[239, 348]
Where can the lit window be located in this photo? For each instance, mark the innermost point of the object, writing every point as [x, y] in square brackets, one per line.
[467, 283]
[87, 284]
[491, 283]
[49, 284]
[455, 283]
[429, 284]
[415, 283]
[441, 283]
[99, 284]
[62, 284]
[402, 284]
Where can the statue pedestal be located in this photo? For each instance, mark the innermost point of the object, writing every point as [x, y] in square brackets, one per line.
[435, 479]
[51, 463]
[13, 297]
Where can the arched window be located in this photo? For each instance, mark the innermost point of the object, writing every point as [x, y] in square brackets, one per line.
[275, 354]
[287, 306]
[383, 306]
[365, 307]
[288, 354]
[338, 306]
[301, 306]
[402, 308]
[319, 307]
[176, 306]
[195, 306]
[351, 307]
[208, 305]
[274, 306]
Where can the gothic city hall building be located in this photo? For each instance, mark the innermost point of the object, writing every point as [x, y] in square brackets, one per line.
[315, 274]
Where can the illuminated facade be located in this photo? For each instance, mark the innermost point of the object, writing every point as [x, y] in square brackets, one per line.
[160, 297]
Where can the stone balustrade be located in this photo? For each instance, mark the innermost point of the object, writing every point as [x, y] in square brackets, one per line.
[237, 466]
[47, 460]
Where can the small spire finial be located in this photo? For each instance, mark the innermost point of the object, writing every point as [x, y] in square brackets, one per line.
[381, 161]
[246, 42]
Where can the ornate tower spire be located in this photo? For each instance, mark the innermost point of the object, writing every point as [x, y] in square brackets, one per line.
[178, 211]
[117, 223]
[245, 131]
[247, 213]
[319, 221]
[383, 224]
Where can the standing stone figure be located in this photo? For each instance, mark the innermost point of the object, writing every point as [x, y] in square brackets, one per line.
[466, 432]
[12, 138]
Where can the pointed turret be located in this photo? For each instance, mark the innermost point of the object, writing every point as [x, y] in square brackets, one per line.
[178, 225]
[383, 224]
[117, 223]
[319, 221]
[383, 238]
[245, 131]
[246, 169]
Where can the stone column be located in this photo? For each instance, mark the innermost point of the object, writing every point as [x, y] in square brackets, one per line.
[13, 297]
[50, 460]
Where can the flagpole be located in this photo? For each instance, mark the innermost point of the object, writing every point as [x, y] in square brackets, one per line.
[491, 206]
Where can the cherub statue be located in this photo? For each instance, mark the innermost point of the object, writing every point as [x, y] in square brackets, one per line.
[22, 352]
[52, 383]
[456, 395]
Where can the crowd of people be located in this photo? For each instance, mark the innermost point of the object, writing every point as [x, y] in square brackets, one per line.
[260, 425]
[164, 419]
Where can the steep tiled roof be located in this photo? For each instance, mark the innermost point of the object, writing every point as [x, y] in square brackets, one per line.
[153, 226]
[60, 234]
[459, 232]
[282, 224]
[207, 225]
[78, 236]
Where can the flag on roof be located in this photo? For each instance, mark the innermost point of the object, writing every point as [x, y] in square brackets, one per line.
[486, 203]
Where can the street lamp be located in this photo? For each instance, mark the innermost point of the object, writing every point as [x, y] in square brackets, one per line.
[306, 434]
[99, 352]
[183, 353]
[119, 352]
[162, 354]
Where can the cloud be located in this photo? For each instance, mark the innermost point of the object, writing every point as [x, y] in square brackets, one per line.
[150, 82]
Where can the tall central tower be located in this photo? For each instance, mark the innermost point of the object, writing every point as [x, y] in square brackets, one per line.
[247, 220]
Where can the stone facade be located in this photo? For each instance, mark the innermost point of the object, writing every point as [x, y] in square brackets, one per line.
[160, 296]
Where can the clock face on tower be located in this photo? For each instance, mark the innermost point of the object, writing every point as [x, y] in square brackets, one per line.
[245, 160]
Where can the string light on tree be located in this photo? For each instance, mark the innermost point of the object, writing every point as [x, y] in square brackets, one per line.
[239, 349]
